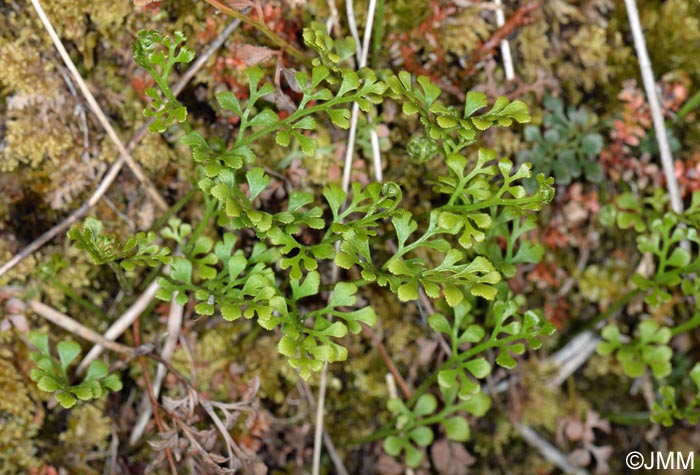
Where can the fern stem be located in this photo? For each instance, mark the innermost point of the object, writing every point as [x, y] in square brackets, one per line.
[378, 33]
[121, 278]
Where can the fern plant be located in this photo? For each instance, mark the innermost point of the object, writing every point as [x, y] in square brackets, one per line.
[272, 279]
[671, 241]
[52, 376]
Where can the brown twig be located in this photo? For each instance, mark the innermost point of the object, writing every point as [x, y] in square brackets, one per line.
[154, 404]
[387, 360]
[231, 445]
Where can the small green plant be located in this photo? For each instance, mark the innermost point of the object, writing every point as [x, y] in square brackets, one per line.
[650, 349]
[566, 147]
[159, 63]
[52, 376]
[414, 426]
[458, 377]
[671, 241]
[666, 411]
[137, 250]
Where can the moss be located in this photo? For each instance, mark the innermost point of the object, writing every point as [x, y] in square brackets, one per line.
[674, 31]
[533, 44]
[230, 349]
[605, 283]
[88, 430]
[109, 15]
[405, 14]
[25, 73]
[20, 414]
[466, 30]
[20, 273]
[591, 47]
[153, 153]
[542, 404]
[21, 148]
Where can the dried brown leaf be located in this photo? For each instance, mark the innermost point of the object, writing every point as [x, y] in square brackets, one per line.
[579, 458]
[451, 458]
[601, 455]
[252, 55]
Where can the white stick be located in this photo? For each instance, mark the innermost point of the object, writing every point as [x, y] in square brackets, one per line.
[352, 25]
[173, 334]
[376, 155]
[363, 52]
[654, 106]
[547, 450]
[505, 44]
[122, 323]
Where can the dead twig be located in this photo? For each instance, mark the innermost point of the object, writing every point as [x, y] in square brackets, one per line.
[363, 51]
[505, 44]
[327, 441]
[97, 110]
[517, 19]
[387, 361]
[654, 106]
[547, 450]
[260, 26]
[154, 403]
[231, 445]
[121, 324]
[70, 325]
[332, 24]
[173, 333]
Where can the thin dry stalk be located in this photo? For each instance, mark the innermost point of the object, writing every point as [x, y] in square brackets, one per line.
[654, 106]
[547, 450]
[376, 155]
[327, 441]
[231, 445]
[70, 325]
[96, 109]
[152, 398]
[173, 333]
[388, 361]
[332, 24]
[121, 324]
[505, 44]
[352, 26]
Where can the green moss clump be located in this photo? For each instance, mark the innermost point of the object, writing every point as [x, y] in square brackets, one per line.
[20, 414]
[605, 283]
